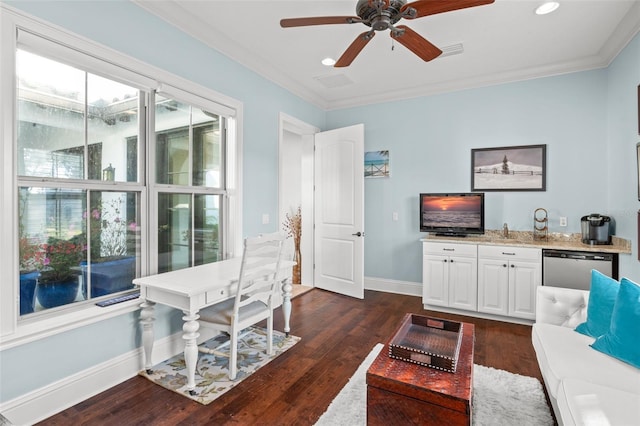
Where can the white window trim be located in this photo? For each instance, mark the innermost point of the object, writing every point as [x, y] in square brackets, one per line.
[12, 332]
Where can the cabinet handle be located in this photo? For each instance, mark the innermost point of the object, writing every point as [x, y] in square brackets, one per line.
[444, 260]
[504, 265]
[448, 249]
[451, 261]
[513, 266]
[508, 254]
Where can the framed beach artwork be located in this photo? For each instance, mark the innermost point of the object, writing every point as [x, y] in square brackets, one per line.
[511, 168]
[376, 164]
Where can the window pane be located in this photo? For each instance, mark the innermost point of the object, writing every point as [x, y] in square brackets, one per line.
[174, 231]
[112, 125]
[207, 150]
[51, 99]
[172, 141]
[206, 236]
[52, 246]
[114, 243]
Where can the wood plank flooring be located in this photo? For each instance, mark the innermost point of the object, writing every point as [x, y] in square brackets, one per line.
[296, 388]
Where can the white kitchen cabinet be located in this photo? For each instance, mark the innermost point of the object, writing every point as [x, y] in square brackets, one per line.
[507, 280]
[450, 275]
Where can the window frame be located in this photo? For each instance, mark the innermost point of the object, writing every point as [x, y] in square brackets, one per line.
[101, 60]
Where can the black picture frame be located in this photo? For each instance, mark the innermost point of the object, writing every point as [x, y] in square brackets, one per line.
[509, 168]
[638, 167]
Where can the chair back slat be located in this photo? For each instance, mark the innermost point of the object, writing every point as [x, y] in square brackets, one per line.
[260, 268]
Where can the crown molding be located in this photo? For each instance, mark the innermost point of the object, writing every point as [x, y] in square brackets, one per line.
[201, 30]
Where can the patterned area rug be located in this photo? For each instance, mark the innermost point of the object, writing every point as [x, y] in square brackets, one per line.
[212, 378]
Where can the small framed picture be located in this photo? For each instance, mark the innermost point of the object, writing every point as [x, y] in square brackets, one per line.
[511, 168]
[638, 167]
[376, 164]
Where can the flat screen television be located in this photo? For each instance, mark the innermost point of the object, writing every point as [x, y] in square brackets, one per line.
[452, 214]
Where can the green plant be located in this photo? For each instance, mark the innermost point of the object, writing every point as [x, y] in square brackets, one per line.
[32, 255]
[62, 259]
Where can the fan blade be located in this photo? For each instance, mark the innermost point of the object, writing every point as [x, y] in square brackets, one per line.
[318, 20]
[354, 49]
[432, 7]
[415, 43]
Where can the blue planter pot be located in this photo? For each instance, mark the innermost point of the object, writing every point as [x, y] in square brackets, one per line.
[28, 292]
[55, 294]
[109, 277]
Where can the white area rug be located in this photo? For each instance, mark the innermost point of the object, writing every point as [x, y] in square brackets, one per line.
[500, 398]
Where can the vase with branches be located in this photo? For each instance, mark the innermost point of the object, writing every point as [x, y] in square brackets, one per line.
[293, 227]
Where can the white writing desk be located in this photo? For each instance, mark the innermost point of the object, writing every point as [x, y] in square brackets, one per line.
[190, 290]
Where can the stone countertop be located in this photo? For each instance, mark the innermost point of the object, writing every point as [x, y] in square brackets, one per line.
[557, 241]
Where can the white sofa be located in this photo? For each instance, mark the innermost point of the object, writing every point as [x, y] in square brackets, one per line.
[585, 387]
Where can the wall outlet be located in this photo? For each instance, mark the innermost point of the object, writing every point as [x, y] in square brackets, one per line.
[394, 216]
[265, 218]
[563, 221]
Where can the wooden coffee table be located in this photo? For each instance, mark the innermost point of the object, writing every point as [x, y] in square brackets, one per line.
[400, 392]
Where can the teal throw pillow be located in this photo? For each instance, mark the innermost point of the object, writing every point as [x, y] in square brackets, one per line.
[602, 297]
[622, 341]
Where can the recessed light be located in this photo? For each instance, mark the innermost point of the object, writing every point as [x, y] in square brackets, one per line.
[547, 7]
[329, 62]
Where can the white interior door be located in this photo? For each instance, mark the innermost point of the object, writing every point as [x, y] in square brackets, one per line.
[339, 212]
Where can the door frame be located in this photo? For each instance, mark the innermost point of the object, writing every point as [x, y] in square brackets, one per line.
[306, 132]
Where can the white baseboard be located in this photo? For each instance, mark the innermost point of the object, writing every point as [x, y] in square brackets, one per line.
[44, 402]
[393, 286]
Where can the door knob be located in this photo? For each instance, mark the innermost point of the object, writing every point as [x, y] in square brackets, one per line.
[358, 234]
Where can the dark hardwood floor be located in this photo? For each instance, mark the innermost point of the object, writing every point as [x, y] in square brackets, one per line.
[296, 388]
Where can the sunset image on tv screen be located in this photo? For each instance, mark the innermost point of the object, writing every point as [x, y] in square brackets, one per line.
[451, 211]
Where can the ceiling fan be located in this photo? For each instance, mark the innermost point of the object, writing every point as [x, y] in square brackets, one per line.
[381, 15]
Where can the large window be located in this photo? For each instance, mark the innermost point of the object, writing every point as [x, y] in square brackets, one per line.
[77, 134]
[107, 188]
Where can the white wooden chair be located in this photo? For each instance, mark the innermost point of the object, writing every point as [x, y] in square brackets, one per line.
[254, 300]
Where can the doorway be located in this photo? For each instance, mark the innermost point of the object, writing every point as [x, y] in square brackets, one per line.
[295, 188]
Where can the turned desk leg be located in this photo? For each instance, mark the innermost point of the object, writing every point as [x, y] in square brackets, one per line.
[190, 336]
[286, 304]
[146, 320]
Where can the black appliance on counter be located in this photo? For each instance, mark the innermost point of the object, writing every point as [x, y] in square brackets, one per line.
[596, 229]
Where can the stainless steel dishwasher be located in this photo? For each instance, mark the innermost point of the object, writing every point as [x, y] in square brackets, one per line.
[572, 269]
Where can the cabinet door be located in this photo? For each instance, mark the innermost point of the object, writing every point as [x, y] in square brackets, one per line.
[524, 278]
[493, 286]
[463, 283]
[435, 279]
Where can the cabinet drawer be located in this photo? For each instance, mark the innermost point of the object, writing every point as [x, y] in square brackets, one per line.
[502, 252]
[450, 249]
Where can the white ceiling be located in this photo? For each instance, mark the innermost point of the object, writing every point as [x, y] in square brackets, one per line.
[504, 41]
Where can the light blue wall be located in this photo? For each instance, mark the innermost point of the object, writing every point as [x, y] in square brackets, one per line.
[127, 28]
[586, 119]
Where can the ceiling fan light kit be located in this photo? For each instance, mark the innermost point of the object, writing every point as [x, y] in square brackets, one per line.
[382, 15]
[547, 7]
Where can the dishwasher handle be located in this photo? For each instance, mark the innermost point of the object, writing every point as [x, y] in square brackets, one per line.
[577, 255]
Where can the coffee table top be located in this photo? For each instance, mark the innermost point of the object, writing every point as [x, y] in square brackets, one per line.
[453, 390]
